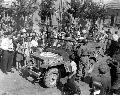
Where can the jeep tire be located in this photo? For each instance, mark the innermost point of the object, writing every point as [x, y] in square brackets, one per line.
[51, 78]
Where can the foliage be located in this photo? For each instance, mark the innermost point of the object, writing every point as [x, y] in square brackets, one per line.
[75, 6]
[18, 11]
[66, 19]
[46, 9]
[89, 10]
[25, 7]
[93, 11]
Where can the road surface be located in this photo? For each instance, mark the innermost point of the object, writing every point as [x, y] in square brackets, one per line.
[14, 84]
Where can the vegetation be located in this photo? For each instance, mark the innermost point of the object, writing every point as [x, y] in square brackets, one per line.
[47, 10]
[89, 10]
[18, 12]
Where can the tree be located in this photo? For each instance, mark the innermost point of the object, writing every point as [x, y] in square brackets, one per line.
[93, 11]
[18, 11]
[75, 5]
[66, 20]
[46, 10]
[22, 11]
[89, 10]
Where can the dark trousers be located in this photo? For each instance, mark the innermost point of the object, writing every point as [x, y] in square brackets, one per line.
[1, 51]
[73, 86]
[106, 84]
[7, 61]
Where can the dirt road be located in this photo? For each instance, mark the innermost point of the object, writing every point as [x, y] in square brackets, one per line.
[14, 84]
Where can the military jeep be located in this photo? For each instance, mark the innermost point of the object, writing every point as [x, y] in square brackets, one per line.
[48, 66]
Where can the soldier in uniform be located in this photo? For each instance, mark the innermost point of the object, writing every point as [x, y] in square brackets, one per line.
[71, 78]
[100, 72]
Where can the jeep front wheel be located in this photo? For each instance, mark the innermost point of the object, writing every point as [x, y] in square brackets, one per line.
[51, 77]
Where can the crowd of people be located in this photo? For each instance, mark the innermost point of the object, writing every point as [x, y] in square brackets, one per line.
[15, 51]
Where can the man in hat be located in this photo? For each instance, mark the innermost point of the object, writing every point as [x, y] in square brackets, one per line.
[7, 58]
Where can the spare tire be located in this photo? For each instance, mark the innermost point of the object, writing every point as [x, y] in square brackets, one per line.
[51, 78]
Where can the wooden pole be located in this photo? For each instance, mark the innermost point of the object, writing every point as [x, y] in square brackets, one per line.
[59, 22]
[24, 50]
[61, 6]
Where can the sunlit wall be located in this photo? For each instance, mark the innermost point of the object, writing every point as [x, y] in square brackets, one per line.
[102, 1]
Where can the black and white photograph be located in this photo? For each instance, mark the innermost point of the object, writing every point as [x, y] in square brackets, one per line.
[59, 47]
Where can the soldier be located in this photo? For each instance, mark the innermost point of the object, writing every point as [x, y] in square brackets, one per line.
[116, 74]
[72, 69]
[100, 72]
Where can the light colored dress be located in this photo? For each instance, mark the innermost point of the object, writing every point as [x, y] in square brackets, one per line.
[27, 51]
